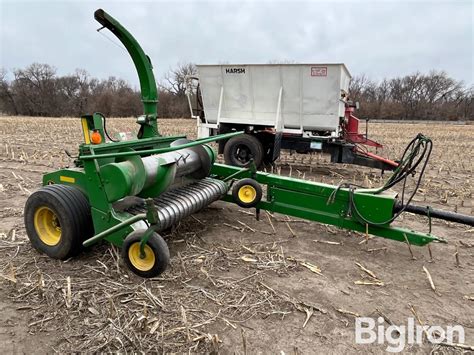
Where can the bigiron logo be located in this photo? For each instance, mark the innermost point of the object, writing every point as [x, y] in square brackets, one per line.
[397, 336]
[235, 70]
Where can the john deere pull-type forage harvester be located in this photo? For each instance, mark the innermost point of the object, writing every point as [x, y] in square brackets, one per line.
[126, 192]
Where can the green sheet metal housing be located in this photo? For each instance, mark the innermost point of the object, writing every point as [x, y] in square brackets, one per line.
[103, 186]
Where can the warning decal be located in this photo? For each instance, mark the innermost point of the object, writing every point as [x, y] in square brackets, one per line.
[319, 71]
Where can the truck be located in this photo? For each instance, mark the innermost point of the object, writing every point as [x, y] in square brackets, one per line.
[299, 107]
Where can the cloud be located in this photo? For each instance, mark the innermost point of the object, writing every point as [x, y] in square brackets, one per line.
[378, 38]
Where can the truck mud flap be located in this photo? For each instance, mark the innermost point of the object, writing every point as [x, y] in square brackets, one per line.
[277, 146]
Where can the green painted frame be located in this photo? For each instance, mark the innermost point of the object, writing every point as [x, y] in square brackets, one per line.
[311, 201]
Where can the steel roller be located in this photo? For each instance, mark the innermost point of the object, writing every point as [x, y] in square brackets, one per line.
[176, 204]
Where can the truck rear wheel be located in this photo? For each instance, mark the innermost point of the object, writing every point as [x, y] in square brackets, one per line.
[240, 149]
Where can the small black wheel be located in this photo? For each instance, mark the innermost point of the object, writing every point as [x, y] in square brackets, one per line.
[247, 193]
[240, 149]
[155, 260]
[57, 220]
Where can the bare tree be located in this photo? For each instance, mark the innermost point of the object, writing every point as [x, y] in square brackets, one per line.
[357, 87]
[35, 89]
[175, 81]
[432, 96]
[73, 91]
[7, 100]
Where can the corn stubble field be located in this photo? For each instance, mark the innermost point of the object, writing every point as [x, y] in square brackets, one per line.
[236, 285]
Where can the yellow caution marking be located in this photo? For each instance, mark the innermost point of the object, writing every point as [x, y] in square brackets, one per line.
[67, 179]
[85, 129]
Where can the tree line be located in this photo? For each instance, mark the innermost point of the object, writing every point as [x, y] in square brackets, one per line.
[432, 96]
[38, 90]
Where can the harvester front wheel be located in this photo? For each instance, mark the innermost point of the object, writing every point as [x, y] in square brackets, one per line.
[156, 254]
[57, 220]
[247, 193]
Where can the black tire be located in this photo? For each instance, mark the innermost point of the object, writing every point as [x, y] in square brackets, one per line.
[58, 206]
[251, 186]
[156, 244]
[240, 149]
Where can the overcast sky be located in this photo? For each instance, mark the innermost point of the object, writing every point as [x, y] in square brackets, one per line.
[378, 38]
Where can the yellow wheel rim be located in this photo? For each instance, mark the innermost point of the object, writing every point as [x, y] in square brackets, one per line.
[247, 193]
[47, 226]
[144, 264]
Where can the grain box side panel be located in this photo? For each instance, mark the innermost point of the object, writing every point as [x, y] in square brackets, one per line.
[210, 80]
[266, 88]
[237, 105]
[321, 95]
[292, 96]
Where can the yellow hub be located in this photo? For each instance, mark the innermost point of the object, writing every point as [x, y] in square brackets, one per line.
[47, 226]
[144, 264]
[247, 193]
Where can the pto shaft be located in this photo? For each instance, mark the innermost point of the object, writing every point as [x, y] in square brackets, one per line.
[436, 213]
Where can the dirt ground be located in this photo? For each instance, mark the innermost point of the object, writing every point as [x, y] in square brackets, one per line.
[236, 285]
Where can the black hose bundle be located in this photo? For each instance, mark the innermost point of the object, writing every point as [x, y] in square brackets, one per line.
[105, 127]
[416, 154]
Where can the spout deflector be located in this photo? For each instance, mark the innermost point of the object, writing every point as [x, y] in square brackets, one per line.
[149, 92]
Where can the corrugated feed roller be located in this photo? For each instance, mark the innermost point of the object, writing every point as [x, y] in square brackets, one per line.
[176, 204]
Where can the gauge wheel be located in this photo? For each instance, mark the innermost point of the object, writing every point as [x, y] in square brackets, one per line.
[57, 220]
[240, 149]
[156, 254]
[247, 193]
